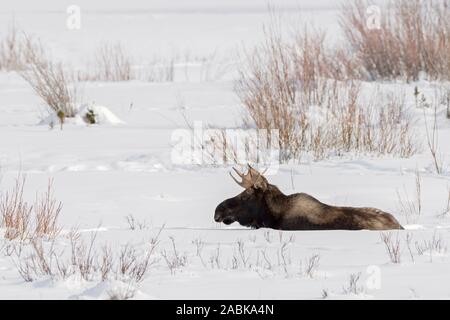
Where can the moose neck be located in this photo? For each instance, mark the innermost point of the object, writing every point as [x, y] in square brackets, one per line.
[276, 201]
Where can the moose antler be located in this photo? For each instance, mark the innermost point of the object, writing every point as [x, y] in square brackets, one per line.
[252, 178]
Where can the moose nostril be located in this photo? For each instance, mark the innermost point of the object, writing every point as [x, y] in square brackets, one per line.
[218, 213]
[218, 217]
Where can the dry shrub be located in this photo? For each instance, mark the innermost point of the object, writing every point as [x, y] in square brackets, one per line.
[435, 245]
[210, 67]
[50, 81]
[135, 224]
[354, 124]
[85, 261]
[213, 66]
[175, 260]
[444, 93]
[293, 86]
[413, 37]
[411, 207]
[280, 79]
[217, 146]
[353, 286]
[47, 210]
[377, 50]
[112, 63]
[267, 88]
[313, 66]
[23, 221]
[393, 247]
[160, 70]
[311, 265]
[236, 146]
[432, 139]
[15, 213]
[343, 121]
[12, 57]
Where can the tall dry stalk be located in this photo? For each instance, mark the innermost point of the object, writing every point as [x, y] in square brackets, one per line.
[432, 138]
[411, 208]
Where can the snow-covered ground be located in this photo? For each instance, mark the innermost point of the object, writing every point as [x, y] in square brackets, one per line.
[104, 173]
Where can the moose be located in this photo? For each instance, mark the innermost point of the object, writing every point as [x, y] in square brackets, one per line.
[263, 205]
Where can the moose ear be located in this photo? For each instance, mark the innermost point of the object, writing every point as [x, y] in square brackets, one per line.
[261, 183]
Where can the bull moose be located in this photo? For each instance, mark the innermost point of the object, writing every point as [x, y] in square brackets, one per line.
[263, 205]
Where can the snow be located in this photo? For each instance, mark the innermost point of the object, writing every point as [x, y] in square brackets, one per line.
[122, 166]
[101, 114]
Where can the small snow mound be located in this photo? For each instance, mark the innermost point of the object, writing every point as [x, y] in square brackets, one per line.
[101, 113]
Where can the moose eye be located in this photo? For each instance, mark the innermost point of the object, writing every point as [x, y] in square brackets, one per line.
[247, 194]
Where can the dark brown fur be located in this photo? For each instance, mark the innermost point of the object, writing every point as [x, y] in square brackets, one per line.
[265, 206]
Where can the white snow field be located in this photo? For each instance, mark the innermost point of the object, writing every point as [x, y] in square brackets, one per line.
[122, 167]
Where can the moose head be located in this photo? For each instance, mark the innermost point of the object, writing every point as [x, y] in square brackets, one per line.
[249, 207]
